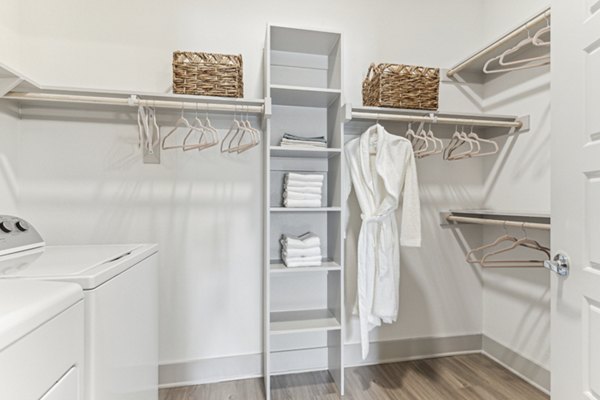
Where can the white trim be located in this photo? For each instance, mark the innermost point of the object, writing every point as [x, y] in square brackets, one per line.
[212, 370]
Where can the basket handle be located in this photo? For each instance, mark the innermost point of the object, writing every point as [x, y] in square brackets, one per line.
[370, 72]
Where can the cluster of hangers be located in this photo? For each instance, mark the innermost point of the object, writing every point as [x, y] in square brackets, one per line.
[242, 136]
[487, 260]
[462, 144]
[535, 41]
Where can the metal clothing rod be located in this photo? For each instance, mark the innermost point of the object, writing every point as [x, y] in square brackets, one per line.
[498, 222]
[506, 38]
[438, 120]
[134, 101]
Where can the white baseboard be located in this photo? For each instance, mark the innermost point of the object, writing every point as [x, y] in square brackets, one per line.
[533, 373]
[197, 372]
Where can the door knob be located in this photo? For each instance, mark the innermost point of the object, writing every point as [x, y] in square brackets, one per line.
[559, 264]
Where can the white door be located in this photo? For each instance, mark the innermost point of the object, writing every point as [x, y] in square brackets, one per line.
[576, 198]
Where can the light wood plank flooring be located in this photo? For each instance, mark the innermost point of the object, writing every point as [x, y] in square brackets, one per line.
[465, 377]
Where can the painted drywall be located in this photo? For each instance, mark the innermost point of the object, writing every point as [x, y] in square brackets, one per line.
[516, 303]
[9, 133]
[82, 181]
[10, 37]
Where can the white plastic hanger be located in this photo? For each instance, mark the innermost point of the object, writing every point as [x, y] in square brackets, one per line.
[154, 129]
[234, 129]
[182, 122]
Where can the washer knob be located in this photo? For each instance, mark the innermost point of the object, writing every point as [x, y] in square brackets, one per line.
[7, 226]
[22, 226]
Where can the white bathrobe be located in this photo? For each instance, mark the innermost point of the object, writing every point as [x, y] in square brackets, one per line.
[382, 168]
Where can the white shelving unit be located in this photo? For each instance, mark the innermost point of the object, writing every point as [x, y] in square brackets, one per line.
[303, 81]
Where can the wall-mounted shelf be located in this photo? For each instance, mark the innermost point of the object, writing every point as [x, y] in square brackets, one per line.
[278, 267]
[26, 91]
[512, 123]
[301, 96]
[285, 322]
[278, 151]
[506, 219]
[475, 63]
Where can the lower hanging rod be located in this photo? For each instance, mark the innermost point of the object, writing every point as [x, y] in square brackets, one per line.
[498, 222]
[438, 120]
[134, 101]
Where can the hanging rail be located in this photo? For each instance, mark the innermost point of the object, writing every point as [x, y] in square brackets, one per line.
[438, 120]
[497, 222]
[134, 101]
[544, 15]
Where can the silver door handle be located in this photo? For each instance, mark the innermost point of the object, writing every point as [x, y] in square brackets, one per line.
[560, 264]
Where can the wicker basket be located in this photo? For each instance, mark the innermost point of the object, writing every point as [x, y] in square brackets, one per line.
[401, 86]
[208, 74]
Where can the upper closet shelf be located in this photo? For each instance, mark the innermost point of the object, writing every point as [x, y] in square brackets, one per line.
[473, 65]
[25, 90]
[285, 95]
[402, 115]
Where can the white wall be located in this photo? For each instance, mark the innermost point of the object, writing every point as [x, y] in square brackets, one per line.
[9, 132]
[82, 181]
[516, 303]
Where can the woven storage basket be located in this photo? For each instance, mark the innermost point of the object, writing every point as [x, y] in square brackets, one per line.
[208, 74]
[401, 86]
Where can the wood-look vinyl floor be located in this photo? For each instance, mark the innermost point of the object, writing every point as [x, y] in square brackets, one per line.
[465, 377]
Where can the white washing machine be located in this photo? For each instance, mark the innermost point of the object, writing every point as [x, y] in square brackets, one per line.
[120, 286]
[41, 340]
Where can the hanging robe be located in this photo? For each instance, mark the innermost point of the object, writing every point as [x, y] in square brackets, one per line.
[382, 170]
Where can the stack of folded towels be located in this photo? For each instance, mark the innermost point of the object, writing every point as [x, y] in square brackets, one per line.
[302, 190]
[301, 251]
[290, 140]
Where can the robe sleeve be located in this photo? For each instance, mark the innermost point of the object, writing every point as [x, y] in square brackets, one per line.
[346, 190]
[410, 232]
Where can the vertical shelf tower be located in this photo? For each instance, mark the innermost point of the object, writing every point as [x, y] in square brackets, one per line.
[304, 307]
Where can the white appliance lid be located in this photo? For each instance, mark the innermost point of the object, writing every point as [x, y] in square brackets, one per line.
[90, 266]
[25, 305]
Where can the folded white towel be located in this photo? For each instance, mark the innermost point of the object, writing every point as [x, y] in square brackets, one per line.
[292, 264]
[304, 177]
[302, 259]
[303, 189]
[301, 203]
[307, 252]
[288, 142]
[301, 185]
[301, 196]
[306, 240]
[304, 145]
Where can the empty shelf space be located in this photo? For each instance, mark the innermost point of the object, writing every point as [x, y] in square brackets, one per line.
[278, 151]
[277, 267]
[283, 322]
[304, 209]
[303, 96]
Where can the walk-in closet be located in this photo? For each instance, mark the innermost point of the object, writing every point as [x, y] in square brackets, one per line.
[299, 200]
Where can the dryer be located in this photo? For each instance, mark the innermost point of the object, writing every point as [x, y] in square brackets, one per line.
[41, 340]
[120, 286]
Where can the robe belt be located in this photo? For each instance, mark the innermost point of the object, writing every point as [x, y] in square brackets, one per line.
[377, 218]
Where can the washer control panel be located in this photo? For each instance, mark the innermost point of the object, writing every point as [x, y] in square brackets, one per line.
[16, 235]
